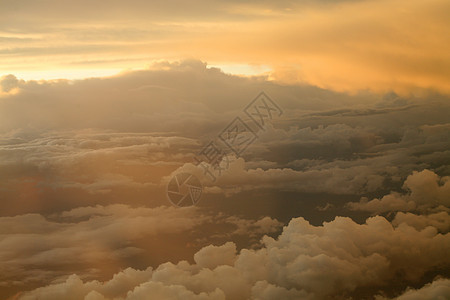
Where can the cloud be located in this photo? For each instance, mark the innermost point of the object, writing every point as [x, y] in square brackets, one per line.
[440, 220]
[65, 141]
[438, 289]
[97, 236]
[8, 82]
[323, 43]
[162, 291]
[315, 262]
[37, 249]
[425, 191]
[265, 291]
[335, 180]
[211, 256]
[72, 152]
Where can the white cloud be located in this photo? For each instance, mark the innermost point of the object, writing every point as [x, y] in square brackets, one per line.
[314, 262]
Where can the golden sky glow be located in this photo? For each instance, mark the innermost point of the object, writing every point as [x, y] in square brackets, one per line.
[345, 45]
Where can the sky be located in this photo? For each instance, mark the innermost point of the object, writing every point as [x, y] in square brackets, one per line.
[331, 117]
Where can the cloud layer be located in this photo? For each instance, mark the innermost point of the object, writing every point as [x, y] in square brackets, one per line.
[426, 191]
[83, 168]
[309, 262]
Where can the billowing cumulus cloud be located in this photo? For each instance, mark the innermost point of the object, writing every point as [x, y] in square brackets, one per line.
[313, 262]
[440, 220]
[425, 191]
[438, 289]
[37, 249]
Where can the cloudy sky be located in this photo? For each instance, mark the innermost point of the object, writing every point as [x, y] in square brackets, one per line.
[332, 184]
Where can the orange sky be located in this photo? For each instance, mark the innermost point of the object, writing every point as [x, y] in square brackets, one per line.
[345, 45]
